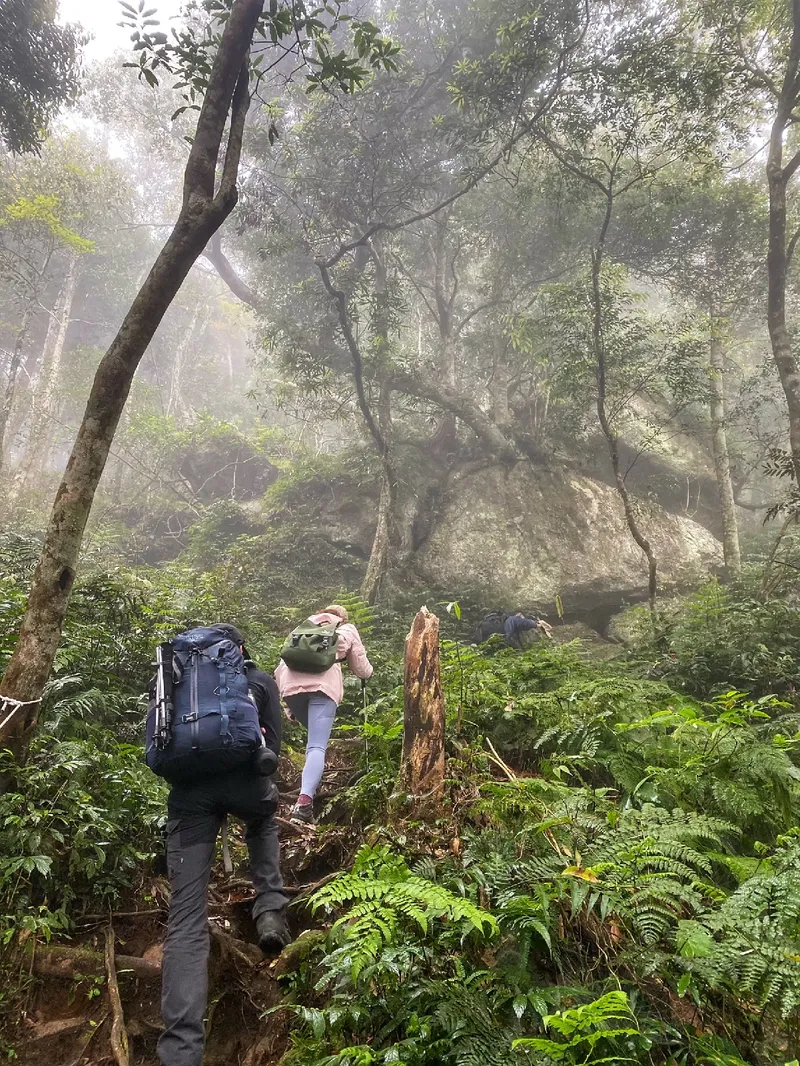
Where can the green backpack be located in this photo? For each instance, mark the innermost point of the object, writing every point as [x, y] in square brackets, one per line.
[311, 647]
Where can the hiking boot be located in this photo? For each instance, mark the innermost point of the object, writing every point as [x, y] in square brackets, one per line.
[303, 813]
[273, 932]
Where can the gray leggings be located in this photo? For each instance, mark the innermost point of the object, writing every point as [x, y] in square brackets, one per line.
[316, 711]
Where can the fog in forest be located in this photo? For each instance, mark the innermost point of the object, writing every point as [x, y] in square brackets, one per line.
[489, 306]
[468, 289]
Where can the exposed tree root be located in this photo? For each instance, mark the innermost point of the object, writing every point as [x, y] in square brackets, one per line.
[119, 1034]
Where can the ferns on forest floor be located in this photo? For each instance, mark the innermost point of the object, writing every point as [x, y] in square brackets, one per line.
[616, 857]
[752, 947]
[602, 1031]
[382, 892]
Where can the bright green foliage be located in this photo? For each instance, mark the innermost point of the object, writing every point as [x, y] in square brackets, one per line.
[634, 862]
[78, 828]
[752, 942]
[595, 1032]
[725, 637]
[384, 893]
[629, 858]
[39, 62]
[43, 211]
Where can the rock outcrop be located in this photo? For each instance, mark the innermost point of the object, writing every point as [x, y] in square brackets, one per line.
[524, 536]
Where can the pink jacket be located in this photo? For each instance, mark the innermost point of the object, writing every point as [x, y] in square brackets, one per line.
[349, 647]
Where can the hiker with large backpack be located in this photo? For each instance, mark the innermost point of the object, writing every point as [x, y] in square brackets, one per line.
[213, 732]
[309, 677]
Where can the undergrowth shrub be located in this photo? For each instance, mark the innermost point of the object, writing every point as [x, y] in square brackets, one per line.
[77, 829]
[628, 836]
[726, 638]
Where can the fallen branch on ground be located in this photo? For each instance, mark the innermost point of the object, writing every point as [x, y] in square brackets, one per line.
[94, 919]
[56, 960]
[301, 830]
[70, 963]
[239, 882]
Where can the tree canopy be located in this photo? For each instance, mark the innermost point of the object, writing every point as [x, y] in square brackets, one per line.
[490, 306]
[39, 67]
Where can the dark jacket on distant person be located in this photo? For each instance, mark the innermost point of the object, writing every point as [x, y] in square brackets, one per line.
[515, 625]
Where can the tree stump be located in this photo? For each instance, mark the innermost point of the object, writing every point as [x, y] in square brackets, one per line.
[422, 766]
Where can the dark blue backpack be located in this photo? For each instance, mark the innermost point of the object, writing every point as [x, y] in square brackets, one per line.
[212, 725]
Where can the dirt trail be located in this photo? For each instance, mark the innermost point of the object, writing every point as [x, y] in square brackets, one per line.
[66, 1018]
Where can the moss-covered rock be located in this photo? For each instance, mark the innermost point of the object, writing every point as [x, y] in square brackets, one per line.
[528, 535]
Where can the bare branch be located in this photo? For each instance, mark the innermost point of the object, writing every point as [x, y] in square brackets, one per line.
[340, 300]
[585, 175]
[239, 107]
[449, 399]
[214, 254]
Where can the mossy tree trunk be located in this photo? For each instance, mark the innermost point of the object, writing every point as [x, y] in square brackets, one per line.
[780, 174]
[206, 204]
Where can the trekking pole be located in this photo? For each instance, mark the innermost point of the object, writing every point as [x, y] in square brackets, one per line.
[226, 854]
[366, 738]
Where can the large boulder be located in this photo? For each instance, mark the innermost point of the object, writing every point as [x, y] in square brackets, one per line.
[527, 535]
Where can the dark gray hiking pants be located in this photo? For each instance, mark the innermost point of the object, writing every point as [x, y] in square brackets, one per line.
[195, 817]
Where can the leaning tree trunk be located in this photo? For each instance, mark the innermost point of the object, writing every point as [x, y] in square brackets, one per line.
[462, 406]
[722, 462]
[778, 254]
[422, 766]
[202, 213]
[11, 380]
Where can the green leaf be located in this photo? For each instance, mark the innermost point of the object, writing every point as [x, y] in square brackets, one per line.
[43, 863]
[693, 940]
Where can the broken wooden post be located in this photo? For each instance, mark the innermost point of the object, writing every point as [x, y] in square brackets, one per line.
[422, 766]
